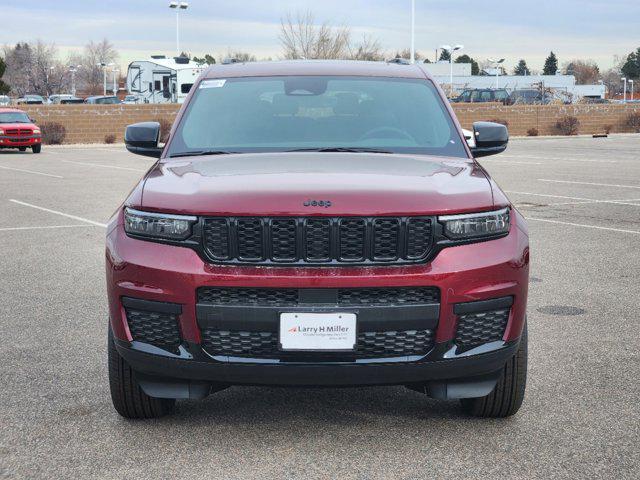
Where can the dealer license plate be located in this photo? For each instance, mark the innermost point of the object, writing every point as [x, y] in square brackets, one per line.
[318, 331]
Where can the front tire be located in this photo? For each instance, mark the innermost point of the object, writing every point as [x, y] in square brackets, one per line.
[36, 148]
[128, 398]
[507, 396]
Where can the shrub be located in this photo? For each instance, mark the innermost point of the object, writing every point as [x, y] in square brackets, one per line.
[110, 138]
[533, 132]
[633, 121]
[501, 121]
[568, 125]
[608, 129]
[53, 133]
[165, 129]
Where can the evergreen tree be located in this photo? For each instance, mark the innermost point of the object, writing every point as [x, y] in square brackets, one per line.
[475, 68]
[4, 88]
[208, 59]
[631, 68]
[550, 65]
[521, 68]
[444, 55]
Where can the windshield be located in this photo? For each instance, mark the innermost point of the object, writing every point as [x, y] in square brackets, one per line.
[14, 117]
[107, 100]
[265, 114]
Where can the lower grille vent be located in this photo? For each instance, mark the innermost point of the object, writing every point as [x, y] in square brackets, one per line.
[481, 327]
[158, 329]
[369, 344]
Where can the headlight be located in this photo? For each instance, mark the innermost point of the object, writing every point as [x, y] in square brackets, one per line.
[474, 225]
[1, 132]
[36, 131]
[158, 225]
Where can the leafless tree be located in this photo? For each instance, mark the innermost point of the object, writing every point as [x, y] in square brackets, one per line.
[34, 68]
[240, 56]
[90, 75]
[301, 37]
[18, 60]
[585, 71]
[367, 49]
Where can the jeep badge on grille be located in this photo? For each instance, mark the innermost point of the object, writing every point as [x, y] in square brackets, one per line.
[317, 203]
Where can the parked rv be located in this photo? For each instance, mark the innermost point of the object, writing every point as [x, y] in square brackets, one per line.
[161, 79]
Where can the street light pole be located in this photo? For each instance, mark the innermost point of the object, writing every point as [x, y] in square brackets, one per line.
[178, 6]
[104, 75]
[413, 31]
[497, 64]
[631, 82]
[451, 49]
[624, 98]
[115, 84]
[73, 69]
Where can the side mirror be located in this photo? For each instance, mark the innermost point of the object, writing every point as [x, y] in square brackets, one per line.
[142, 139]
[490, 138]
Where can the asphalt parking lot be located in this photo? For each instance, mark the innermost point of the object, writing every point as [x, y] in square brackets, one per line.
[580, 418]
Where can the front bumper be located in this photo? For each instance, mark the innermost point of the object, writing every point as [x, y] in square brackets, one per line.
[476, 272]
[8, 141]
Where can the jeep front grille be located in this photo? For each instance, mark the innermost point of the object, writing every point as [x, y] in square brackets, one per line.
[344, 297]
[369, 344]
[317, 240]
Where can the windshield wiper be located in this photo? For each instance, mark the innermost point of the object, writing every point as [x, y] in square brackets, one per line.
[342, 149]
[197, 153]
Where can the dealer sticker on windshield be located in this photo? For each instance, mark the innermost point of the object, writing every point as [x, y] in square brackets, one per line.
[318, 331]
[217, 83]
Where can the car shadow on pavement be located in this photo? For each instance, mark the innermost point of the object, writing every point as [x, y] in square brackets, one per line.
[275, 406]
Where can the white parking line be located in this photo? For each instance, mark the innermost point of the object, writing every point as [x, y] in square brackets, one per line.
[11, 229]
[620, 202]
[558, 159]
[102, 166]
[74, 217]
[636, 232]
[588, 183]
[509, 162]
[31, 172]
[589, 200]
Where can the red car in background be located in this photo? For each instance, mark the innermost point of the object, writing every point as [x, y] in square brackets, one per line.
[19, 131]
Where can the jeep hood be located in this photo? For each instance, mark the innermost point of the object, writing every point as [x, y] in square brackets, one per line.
[281, 183]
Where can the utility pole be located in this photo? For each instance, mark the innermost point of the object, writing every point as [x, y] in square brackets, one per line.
[413, 31]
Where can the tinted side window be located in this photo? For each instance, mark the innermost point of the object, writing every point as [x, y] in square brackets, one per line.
[186, 87]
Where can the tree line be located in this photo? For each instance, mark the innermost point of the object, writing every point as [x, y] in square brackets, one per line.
[35, 68]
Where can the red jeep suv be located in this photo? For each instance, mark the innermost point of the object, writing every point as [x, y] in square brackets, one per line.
[17, 130]
[314, 223]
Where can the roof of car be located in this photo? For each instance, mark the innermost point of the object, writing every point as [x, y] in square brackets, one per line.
[316, 67]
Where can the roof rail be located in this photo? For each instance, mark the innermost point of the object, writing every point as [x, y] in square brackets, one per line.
[399, 61]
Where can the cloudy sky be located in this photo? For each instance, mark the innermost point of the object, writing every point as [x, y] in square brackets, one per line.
[513, 29]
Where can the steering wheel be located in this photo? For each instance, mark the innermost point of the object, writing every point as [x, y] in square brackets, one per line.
[395, 133]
